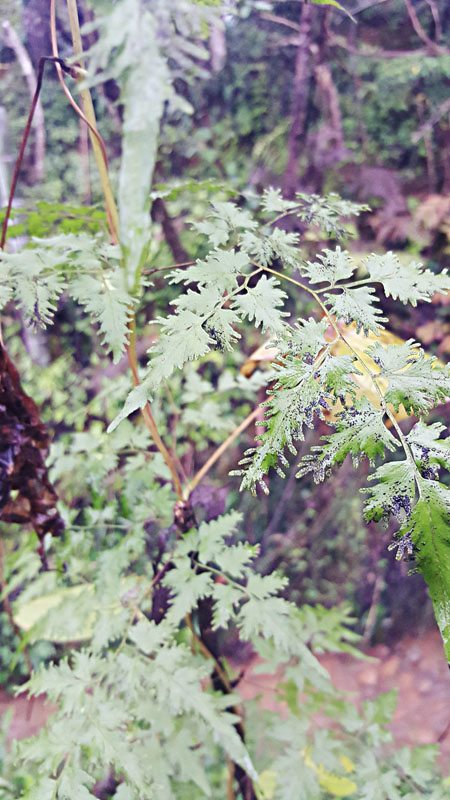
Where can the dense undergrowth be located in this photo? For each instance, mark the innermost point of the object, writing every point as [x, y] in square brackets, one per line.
[157, 568]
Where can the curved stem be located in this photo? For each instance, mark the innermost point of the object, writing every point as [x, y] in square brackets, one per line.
[88, 116]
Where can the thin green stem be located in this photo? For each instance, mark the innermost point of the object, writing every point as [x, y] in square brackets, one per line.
[284, 214]
[352, 285]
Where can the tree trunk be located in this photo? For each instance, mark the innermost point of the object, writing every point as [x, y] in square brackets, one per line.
[302, 82]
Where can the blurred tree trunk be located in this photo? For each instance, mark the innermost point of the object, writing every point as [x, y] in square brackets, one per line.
[36, 28]
[300, 95]
[12, 40]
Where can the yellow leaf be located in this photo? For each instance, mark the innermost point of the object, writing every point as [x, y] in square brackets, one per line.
[33, 612]
[335, 784]
[267, 781]
[348, 765]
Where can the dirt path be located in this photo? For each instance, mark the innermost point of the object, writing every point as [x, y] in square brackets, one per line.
[416, 667]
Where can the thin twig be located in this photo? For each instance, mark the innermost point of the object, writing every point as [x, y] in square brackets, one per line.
[207, 653]
[12, 40]
[280, 21]
[421, 33]
[339, 41]
[436, 19]
[171, 266]
[88, 116]
[220, 450]
[148, 416]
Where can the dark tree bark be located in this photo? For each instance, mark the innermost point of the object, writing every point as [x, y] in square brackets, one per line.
[301, 89]
[160, 214]
[36, 26]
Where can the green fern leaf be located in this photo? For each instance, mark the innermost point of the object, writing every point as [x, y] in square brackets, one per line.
[297, 397]
[289, 410]
[187, 588]
[305, 339]
[220, 269]
[358, 432]
[35, 278]
[409, 283]
[261, 303]
[6, 293]
[333, 266]
[272, 202]
[427, 448]
[357, 305]
[416, 382]
[106, 298]
[335, 374]
[184, 339]
[224, 222]
[326, 212]
[227, 598]
[393, 492]
[266, 249]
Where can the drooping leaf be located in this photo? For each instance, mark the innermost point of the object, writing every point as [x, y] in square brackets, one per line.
[429, 530]
[360, 432]
[290, 408]
[36, 280]
[336, 5]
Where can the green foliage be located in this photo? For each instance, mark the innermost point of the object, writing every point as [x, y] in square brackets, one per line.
[140, 690]
[415, 381]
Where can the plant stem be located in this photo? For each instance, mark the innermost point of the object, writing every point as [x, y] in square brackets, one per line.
[362, 282]
[148, 416]
[217, 453]
[88, 107]
[207, 653]
[171, 266]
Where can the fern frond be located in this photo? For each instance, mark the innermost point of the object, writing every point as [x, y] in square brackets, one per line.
[359, 432]
[415, 381]
[106, 299]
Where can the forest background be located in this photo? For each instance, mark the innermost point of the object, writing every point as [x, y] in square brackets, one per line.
[295, 96]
